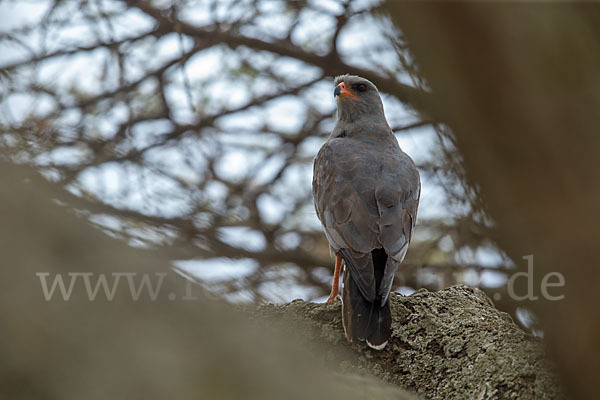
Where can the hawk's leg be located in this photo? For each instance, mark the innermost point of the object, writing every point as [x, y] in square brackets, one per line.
[336, 279]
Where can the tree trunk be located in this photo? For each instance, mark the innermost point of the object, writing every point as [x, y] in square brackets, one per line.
[518, 84]
[448, 344]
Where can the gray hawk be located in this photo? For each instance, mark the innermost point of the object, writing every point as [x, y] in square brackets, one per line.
[366, 193]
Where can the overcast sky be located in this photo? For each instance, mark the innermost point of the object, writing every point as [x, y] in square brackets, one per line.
[284, 114]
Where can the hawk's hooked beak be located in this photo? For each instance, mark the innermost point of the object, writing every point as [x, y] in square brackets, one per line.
[342, 91]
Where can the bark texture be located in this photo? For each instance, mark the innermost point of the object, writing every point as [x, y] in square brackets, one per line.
[449, 344]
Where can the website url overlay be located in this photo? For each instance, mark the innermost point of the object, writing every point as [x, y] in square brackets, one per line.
[141, 286]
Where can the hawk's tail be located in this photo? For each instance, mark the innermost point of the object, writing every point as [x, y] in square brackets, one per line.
[362, 319]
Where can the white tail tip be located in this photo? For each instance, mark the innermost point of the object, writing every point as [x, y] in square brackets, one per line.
[377, 347]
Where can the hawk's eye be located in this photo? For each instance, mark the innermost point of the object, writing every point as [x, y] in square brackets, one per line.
[361, 87]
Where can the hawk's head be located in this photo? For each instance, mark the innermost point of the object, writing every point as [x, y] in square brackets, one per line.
[357, 98]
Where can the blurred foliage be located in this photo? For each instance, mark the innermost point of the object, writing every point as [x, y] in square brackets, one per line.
[189, 128]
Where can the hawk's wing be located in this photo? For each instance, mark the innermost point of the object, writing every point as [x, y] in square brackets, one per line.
[366, 198]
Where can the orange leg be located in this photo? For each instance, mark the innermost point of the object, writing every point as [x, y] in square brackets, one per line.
[336, 279]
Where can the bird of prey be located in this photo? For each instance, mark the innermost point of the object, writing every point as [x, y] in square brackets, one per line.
[366, 192]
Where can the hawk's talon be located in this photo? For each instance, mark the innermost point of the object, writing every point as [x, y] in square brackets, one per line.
[330, 299]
